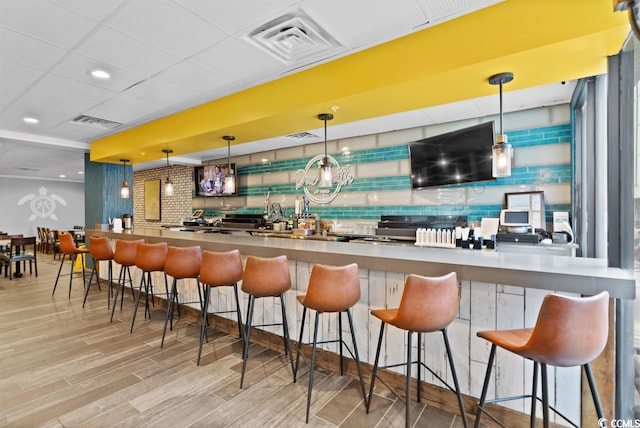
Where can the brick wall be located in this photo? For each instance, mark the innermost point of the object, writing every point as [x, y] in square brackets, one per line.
[172, 208]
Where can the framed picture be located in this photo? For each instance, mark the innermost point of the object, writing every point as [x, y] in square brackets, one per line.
[152, 200]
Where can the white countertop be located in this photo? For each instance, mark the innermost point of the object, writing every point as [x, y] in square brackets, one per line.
[568, 274]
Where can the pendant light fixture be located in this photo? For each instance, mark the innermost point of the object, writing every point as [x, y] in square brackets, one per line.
[501, 150]
[168, 185]
[230, 179]
[124, 189]
[326, 178]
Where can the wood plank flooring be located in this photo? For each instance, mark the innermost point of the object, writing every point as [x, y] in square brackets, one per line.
[65, 366]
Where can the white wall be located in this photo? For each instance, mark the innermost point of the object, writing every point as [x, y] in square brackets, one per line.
[27, 204]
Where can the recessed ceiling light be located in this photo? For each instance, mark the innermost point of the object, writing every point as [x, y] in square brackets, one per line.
[31, 120]
[99, 74]
[62, 176]
[80, 172]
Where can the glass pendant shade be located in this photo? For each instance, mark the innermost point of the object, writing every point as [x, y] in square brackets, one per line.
[230, 179]
[124, 188]
[502, 152]
[326, 178]
[168, 185]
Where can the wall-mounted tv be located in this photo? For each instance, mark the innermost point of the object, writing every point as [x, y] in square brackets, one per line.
[210, 180]
[461, 156]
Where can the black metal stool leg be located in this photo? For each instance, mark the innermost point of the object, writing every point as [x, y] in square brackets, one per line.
[203, 327]
[355, 351]
[545, 396]
[313, 363]
[299, 346]
[285, 328]
[407, 416]
[239, 315]
[58, 277]
[455, 377]
[534, 394]
[120, 285]
[340, 343]
[375, 367]
[419, 365]
[169, 311]
[245, 351]
[135, 309]
[594, 391]
[73, 261]
[485, 387]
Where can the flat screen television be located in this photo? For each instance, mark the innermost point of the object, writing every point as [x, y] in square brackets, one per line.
[461, 156]
[210, 180]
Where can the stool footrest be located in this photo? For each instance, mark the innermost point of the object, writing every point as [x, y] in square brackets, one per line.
[522, 397]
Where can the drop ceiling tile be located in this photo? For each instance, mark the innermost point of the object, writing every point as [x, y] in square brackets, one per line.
[194, 79]
[167, 26]
[73, 131]
[405, 120]
[128, 53]
[453, 111]
[96, 10]
[9, 92]
[42, 20]
[50, 110]
[158, 93]
[441, 10]
[124, 109]
[74, 89]
[235, 19]
[28, 51]
[358, 23]
[77, 67]
[17, 73]
[248, 61]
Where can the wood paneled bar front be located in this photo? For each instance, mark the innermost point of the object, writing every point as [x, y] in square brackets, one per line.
[498, 290]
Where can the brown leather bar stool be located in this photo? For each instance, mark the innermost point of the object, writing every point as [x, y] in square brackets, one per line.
[219, 270]
[331, 289]
[427, 305]
[569, 332]
[265, 277]
[100, 250]
[125, 256]
[181, 263]
[149, 258]
[68, 248]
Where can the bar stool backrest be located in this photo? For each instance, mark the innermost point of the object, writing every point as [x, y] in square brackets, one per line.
[333, 288]
[265, 277]
[100, 248]
[569, 331]
[183, 262]
[220, 269]
[126, 251]
[428, 303]
[151, 257]
[67, 244]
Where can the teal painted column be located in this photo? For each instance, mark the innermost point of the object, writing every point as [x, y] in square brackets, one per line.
[102, 183]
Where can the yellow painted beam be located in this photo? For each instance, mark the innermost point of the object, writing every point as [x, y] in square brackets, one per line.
[541, 42]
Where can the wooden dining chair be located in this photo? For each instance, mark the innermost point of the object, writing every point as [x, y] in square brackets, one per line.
[19, 252]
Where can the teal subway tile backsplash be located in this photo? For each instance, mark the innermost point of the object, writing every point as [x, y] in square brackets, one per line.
[528, 175]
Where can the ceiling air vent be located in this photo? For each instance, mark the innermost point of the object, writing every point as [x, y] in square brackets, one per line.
[300, 136]
[96, 122]
[294, 38]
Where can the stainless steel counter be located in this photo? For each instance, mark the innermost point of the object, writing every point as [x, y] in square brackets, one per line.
[564, 274]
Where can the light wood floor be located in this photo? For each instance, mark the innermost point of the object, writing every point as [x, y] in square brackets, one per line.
[62, 365]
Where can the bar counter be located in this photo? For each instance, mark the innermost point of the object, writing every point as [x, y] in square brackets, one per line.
[498, 290]
[558, 273]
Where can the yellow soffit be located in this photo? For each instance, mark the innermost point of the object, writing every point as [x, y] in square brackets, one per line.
[541, 42]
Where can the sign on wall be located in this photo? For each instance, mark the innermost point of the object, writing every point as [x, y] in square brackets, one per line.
[308, 178]
[42, 205]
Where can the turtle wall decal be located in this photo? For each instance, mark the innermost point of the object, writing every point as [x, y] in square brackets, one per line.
[42, 205]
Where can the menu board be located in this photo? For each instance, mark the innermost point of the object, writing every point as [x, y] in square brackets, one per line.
[533, 202]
